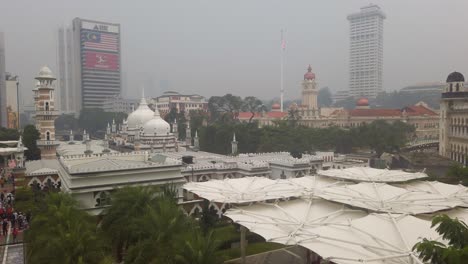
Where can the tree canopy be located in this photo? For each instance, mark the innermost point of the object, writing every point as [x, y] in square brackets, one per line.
[30, 137]
[452, 230]
[378, 136]
[324, 97]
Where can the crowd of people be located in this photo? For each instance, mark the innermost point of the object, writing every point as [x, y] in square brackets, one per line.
[11, 219]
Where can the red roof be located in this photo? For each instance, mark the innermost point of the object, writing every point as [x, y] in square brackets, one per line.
[375, 112]
[274, 114]
[419, 110]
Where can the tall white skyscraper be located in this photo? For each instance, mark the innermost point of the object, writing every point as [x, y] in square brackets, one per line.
[366, 52]
[3, 110]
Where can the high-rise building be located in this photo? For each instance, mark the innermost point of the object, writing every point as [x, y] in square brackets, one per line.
[3, 112]
[12, 103]
[366, 52]
[453, 134]
[89, 64]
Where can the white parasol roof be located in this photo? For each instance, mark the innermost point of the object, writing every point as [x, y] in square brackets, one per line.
[376, 239]
[455, 192]
[243, 190]
[311, 185]
[366, 174]
[381, 197]
[290, 222]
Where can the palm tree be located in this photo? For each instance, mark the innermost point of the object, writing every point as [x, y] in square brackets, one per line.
[120, 220]
[63, 234]
[199, 249]
[164, 227]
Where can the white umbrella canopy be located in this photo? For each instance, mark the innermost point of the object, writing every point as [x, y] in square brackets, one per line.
[243, 190]
[455, 192]
[290, 222]
[311, 185]
[381, 197]
[366, 174]
[376, 239]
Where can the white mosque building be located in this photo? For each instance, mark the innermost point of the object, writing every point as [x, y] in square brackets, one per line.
[147, 153]
[144, 129]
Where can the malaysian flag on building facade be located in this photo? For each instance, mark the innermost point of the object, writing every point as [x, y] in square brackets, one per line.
[99, 41]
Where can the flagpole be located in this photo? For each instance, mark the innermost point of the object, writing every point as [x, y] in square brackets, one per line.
[283, 47]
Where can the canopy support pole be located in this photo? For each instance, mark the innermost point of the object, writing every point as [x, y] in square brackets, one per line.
[242, 244]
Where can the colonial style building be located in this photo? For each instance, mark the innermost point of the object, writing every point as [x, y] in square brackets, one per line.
[44, 97]
[421, 116]
[454, 119]
[181, 102]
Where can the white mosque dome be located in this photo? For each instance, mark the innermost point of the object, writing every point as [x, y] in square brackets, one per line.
[156, 125]
[45, 73]
[140, 116]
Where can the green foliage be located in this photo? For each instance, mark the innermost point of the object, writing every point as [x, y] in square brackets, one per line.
[225, 108]
[61, 233]
[146, 225]
[452, 230]
[175, 115]
[201, 249]
[324, 97]
[459, 173]
[30, 136]
[8, 134]
[95, 119]
[378, 136]
[66, 122]
[253, 105]
[29, 200]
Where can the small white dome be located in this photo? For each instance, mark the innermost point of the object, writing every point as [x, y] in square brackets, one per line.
[45, 73]
[156, 125]
[140, 116]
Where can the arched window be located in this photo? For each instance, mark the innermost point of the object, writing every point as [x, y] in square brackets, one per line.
[47, 106]
[47, 135]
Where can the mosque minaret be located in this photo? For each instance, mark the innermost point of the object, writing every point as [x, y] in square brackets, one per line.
[44, 98]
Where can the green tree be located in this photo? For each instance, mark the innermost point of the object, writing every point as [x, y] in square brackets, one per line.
[452, 230]
[253, 105]
[66, 122]
[324, 97]
[8, 134]
[95, 119]
[62, 233]
[293, 116]
[30, 137]
[225, 108]
[199, 249]
[120, 221]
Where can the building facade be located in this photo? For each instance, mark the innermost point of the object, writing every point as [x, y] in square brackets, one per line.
[89, 64]
[366, 52]
[117, 104]
[12, 101]
[3, 112]
[46, 113]
[181, 102]
[453, 141]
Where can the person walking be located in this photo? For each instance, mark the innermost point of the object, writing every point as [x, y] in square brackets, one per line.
[15, 234]
[5, 227]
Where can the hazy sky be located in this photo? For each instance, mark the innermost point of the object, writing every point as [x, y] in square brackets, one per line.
[213, 47]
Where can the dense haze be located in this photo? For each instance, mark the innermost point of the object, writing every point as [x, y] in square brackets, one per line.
[215, 47]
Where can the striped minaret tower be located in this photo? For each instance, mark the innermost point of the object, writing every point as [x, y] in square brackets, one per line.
[44, 96]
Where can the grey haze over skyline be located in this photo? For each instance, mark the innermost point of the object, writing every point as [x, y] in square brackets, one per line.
[214, 47]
